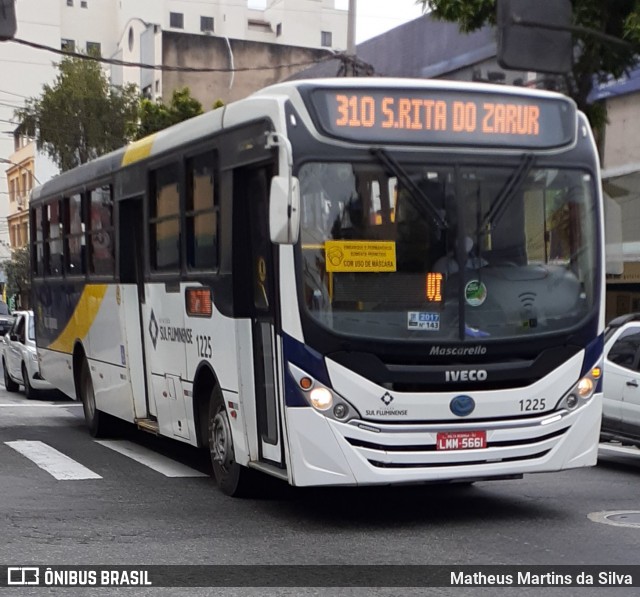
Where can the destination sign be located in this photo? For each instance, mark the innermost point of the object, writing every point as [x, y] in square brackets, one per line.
[444, 117]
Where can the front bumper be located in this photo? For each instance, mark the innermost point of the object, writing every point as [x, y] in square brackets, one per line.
[327, 452]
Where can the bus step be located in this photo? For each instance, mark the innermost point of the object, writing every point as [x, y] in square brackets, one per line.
[149, 425]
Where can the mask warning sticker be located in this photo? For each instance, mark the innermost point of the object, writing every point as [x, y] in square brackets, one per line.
[360, 256]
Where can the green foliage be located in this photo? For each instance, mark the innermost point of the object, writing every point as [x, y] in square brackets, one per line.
[218, 104]
[155, 116]
[17, 272]
[80, 116]
[592, 56]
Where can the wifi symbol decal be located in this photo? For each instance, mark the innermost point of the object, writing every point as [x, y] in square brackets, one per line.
[527, 299]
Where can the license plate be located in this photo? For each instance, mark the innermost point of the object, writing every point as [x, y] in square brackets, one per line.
[461, 440]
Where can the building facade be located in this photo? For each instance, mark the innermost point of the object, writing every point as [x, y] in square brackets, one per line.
[280, 35]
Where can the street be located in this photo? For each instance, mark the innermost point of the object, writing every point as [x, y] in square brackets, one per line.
[141, 500]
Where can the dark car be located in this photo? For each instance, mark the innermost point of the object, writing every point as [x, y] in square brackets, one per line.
[6, 320]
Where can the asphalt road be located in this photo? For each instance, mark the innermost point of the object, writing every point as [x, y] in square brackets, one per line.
[145, 501]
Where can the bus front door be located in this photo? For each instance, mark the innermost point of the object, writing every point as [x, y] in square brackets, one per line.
[251, 186]
[133, 297]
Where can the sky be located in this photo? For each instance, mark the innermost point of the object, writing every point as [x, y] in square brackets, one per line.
[373, 17]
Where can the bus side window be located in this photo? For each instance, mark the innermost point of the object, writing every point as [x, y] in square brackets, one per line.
[74, 235]
[164, 220]
[101, 231]
[37, 242]
[202, 213]
[55, 238]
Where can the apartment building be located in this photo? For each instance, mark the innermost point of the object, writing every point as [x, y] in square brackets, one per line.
[274, 34]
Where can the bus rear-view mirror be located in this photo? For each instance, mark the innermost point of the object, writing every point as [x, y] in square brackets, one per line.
[284, 210]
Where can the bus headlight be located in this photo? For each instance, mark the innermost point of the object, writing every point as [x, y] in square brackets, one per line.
[582, 391]
[321, 398]
[585, 387]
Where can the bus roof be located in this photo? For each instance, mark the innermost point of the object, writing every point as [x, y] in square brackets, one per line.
[200, 126]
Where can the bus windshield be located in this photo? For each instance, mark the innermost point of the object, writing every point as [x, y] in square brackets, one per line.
[414, 251]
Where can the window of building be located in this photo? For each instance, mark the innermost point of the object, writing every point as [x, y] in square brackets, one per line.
[164, 220]
[83, 4]
[102, 258]
[69, 2]
[201, 212]
[206, 24]
[94, 48]
[176, 20]
[278, 29]
[325, 39]
[74, 236]
[68, 45]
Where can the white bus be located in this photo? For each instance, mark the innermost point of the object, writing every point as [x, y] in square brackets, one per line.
[338, 282]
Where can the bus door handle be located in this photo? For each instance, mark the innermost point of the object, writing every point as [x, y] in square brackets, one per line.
[633, 383]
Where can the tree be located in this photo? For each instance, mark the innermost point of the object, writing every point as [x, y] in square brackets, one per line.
[17, 272]
[155, 116]
[593, 56]
[80, 116]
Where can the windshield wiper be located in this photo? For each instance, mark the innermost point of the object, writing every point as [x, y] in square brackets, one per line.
[417, 197]
[508, 191]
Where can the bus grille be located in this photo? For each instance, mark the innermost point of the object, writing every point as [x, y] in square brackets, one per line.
[396, 450]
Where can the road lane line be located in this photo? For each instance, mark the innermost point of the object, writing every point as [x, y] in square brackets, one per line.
[39, 405]
[50, 460]
[157, 462]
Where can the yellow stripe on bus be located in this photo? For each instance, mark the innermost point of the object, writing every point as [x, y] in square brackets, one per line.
[82, 318]
[138, 150]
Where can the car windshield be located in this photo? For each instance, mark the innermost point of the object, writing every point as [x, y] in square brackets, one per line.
[509, 253]
[32, 328]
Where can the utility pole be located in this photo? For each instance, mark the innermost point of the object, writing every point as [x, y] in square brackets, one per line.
[350, 65]
[351, 29]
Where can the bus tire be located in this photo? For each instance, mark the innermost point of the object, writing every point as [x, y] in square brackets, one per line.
[29, 392]
[232, 478]
[9, 384]
[97, 421]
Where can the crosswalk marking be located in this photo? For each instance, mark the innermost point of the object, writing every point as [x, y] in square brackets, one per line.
[157, 462]
[605, 449]
[53, 462]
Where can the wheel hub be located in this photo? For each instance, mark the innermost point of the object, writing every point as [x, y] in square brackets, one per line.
[222, 445]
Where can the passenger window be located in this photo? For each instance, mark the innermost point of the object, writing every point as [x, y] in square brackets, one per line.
[202, 213]
[164, 220]
[37, 236]
[625, 349]
[74, 236]
[53, 216]
[101, 232]
[19, 330]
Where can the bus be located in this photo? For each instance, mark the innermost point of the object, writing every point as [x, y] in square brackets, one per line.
[338, 282]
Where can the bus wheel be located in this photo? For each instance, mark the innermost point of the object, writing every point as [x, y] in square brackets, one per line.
[97, 421]
[9, 384]
[232, 478]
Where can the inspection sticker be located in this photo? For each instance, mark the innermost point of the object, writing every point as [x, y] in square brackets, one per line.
[423, 320]
[360, 256]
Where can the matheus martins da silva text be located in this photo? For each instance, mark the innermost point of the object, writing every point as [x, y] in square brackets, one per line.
[549, 579]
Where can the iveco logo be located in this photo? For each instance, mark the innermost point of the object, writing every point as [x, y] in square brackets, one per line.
[462, 405]
[466, 375]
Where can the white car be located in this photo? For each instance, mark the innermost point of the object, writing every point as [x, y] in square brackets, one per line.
[621, 404]
[19, 357]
